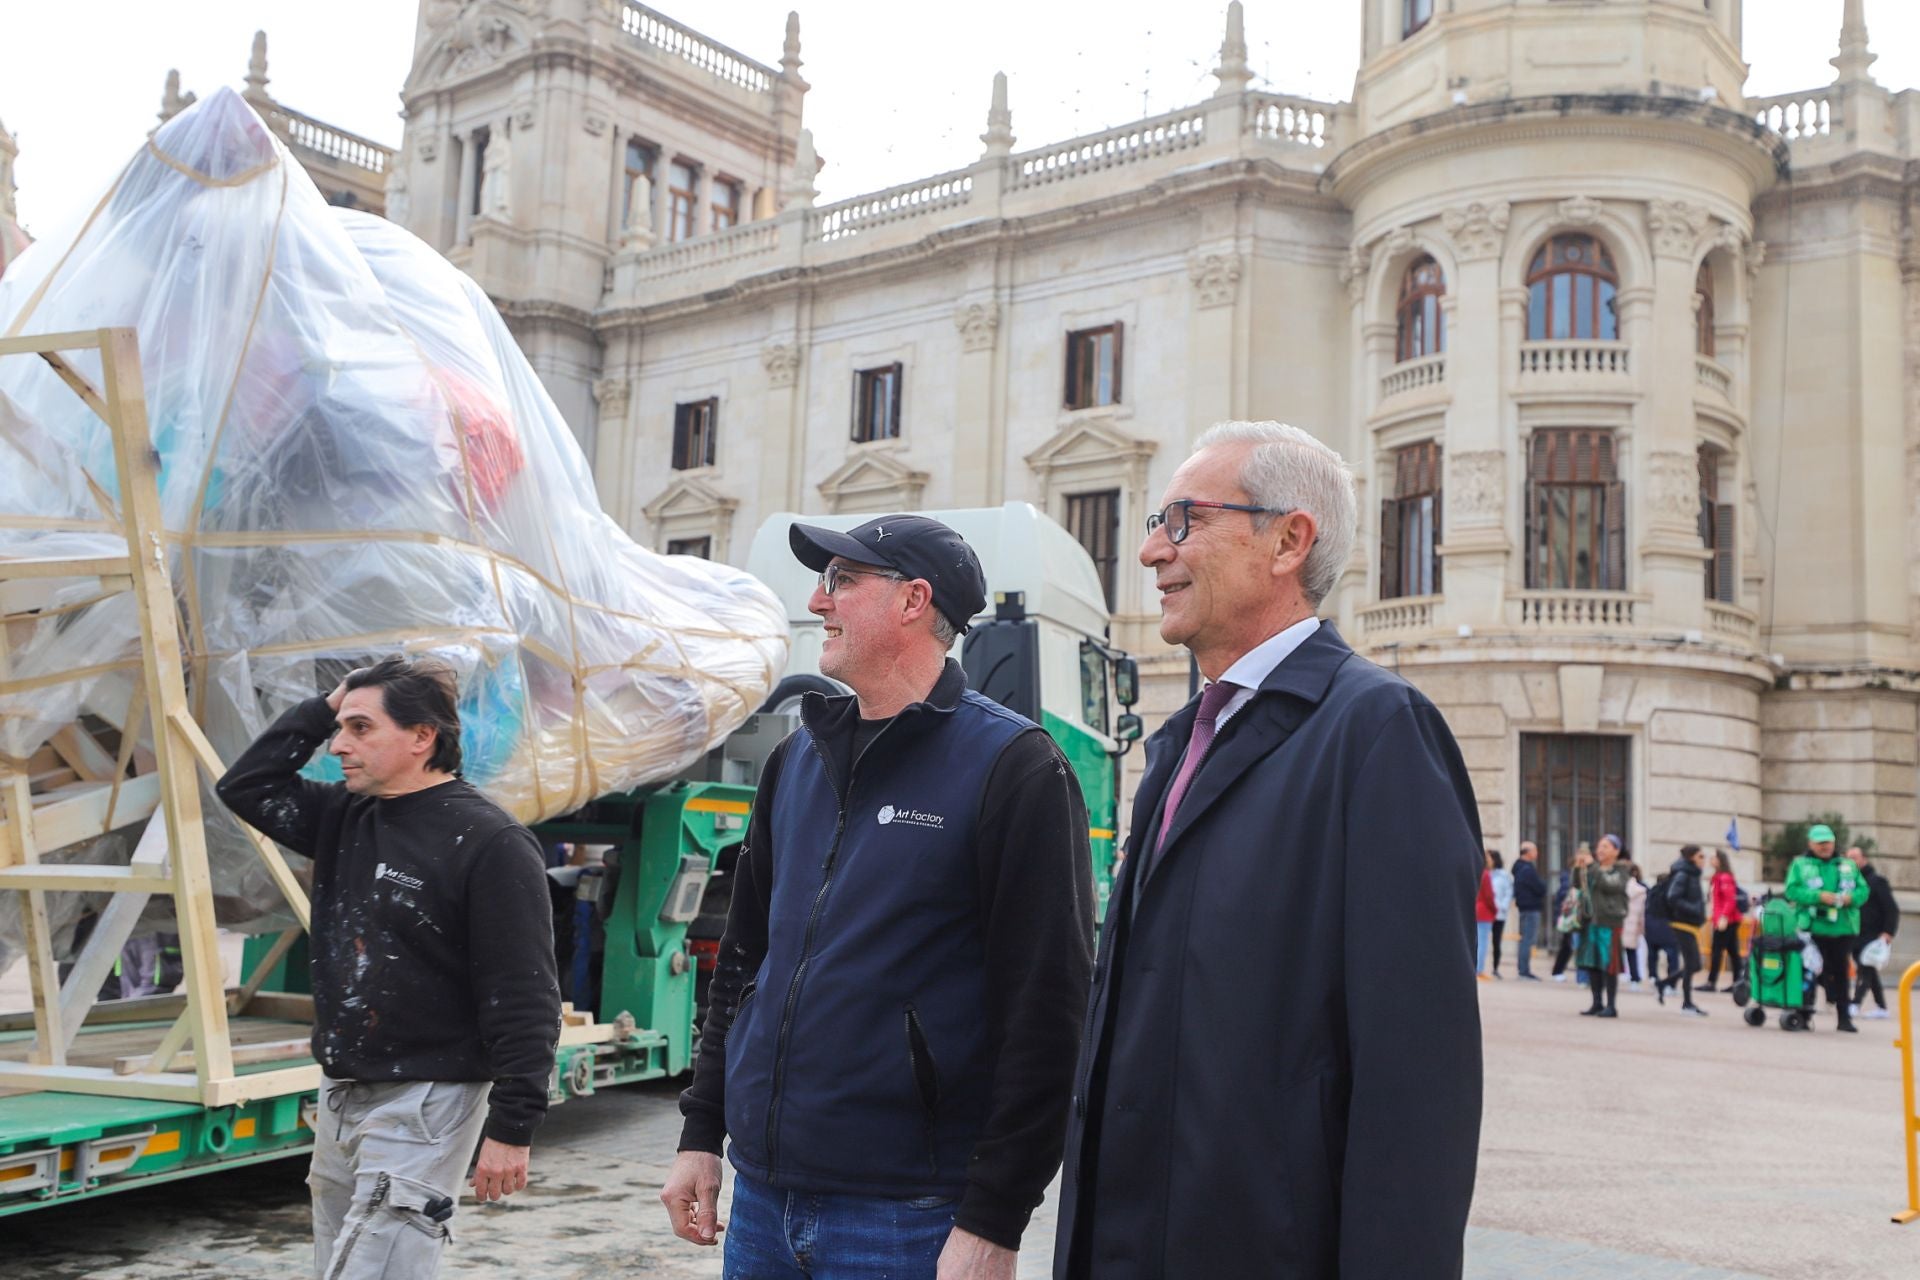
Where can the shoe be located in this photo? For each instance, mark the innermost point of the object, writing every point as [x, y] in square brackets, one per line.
[1693, 1011]
[1607, 1013]
[1660, 989]
[1559, 977]
[1876, 1014]
[1499, 976]
[1634, 985]
[1529, 977]
[1848, 1027]
[1483, 977]
[1711, 986]
[1852, 1009]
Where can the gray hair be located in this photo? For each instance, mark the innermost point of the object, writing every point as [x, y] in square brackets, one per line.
[943, 630]
[1290, 470]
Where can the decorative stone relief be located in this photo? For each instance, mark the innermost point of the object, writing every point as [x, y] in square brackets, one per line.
[1676, 226]
[1477, 484]
[978, 322]
[523, 118]
[1353, 272]
[429, 150]
[594, 124]
[781, 360]
[1674, 486]
[1216, 277]
[1479, 229]
[1581, 211]
[1756, 258]
[475, 40]
[1397, 241]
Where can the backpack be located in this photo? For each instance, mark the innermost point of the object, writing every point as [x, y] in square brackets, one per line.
[1741, 902]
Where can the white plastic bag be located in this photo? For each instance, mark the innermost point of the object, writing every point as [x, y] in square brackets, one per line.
[1809, 956]
[1876, 953]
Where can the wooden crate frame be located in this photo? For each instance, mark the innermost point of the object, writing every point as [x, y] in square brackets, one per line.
[172, 854]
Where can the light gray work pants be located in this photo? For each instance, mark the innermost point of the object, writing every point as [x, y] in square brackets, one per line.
[381, 1154]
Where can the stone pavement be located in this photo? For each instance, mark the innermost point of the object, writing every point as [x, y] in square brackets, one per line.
[1648, 1148]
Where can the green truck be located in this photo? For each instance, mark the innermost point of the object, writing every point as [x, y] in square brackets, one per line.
[640, 894]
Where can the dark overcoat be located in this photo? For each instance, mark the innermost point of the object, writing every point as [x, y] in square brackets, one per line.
[1281, 1070]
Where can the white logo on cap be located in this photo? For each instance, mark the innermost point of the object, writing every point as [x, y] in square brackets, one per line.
[879, 532]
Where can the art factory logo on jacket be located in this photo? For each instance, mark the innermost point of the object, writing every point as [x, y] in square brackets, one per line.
[381, 871]
[912, 817]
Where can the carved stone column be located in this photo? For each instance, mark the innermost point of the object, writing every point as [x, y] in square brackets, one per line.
[1478, 455]
[1666, 436]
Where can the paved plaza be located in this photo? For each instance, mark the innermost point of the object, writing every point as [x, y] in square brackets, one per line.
[1650, 1148]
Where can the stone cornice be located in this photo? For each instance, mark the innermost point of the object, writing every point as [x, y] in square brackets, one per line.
[1727, 134]
[1502, 646]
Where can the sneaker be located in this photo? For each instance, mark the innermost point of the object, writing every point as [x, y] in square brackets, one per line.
[1483, 977]
[1559, 977]
[1848, 1027]
[1711, 986]
[1693, 1011]
[1633, 985]
[1533, 977]
[1876, 1014]
[1607, 1013]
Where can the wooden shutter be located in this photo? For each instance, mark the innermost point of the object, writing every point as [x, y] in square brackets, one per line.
[1532, 520]
[898, 371]
[713, 431]
[1389, 548]
[1616, 537]
[680, 450]
[859, 402]
[1073, 371]
[1119, 350]
[1439, 525]
[1723, 545]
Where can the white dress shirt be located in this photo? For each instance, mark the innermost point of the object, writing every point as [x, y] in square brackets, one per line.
[1257, 663]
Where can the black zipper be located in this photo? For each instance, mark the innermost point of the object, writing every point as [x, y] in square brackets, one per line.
[806, 940]
[382, 1185]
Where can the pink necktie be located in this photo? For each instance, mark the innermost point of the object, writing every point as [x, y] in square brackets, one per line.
[1212, 703]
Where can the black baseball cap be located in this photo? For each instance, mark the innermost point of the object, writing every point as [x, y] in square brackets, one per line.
[917, 546]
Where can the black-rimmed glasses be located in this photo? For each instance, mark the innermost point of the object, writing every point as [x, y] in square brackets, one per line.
[836, 574]
[1176, 515]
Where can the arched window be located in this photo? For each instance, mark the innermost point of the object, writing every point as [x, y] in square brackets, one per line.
[1703, 311]
[1414, 14]
[1570, 291]
[1422, 326]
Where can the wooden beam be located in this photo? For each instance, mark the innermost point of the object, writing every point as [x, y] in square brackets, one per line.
[110, 933]
[237, 1003]
[163, 1053]
[43, 976]
[16, 567]
[138, 466]
[102, 1082]
[243, 1055]
[85, 814]
[235, 1090]
[37, 343]
[283, 1005]
[88, 758]
[82, 877]
[283, 877]
[115, 1013]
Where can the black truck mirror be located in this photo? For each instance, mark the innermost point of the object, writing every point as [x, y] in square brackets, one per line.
[1128, 728]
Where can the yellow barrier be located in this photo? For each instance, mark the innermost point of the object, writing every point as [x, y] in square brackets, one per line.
[1909, 1119]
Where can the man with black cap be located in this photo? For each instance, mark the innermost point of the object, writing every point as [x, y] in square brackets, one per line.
[892, 1024]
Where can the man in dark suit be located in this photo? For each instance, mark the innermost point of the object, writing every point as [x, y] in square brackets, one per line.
[1281, 1071]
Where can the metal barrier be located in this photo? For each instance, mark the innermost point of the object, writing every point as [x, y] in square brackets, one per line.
[1909, 1119]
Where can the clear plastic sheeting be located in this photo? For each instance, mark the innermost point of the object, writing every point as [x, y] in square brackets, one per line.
[355, 458]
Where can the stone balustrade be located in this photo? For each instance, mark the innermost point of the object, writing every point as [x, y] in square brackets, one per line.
[1095, 153]
[738, 244]
[1712, 375]
[1426, 371]
[1397, 619]
[1573, 359]
[1732, 624]
[1273, 117]
[1573, 610]
[304, 133]
[1809, 113]
[851, 217]
[650, 27]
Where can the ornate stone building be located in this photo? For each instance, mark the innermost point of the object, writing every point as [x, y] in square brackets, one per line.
[1620, 354]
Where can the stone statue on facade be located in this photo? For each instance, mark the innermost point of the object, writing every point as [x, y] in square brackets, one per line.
[636, 232]
[495, 200]
[399, 204]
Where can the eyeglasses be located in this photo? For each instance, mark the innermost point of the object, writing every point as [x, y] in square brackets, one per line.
[1177, 518]
[836, 574]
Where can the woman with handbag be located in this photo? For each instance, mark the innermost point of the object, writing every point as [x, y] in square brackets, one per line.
[1633, 939]
[1879, 922]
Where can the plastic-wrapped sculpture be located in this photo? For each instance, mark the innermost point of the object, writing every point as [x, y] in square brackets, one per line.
[355, 457]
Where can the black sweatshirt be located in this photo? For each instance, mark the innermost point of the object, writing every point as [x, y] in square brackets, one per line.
[1035, 899]
[432, 934]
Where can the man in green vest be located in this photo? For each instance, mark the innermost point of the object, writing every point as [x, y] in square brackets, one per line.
[1829, 891]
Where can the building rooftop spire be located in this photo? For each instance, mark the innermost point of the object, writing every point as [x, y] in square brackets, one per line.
[999, 134]
[257, 68]
[1233, 73]
[1855, 57]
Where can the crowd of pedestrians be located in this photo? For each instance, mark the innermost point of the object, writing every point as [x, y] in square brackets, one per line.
[1607, 920]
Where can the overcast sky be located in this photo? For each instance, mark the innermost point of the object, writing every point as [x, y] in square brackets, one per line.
[898, 92]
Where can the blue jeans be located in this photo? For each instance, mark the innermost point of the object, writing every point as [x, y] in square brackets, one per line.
[1483, 940]
[1529, 930]
[798, 1235]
